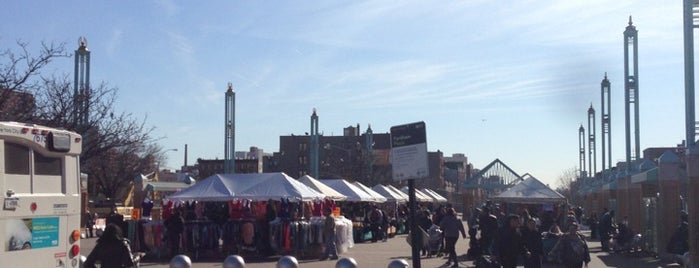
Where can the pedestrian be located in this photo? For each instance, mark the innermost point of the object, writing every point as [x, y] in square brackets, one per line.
[592, 221]
[375, 223]
[606, 228]
[111, 250]
[451, 227]
[534, 243]
[679, 241]
[89, 224]
[174, 226]
[329, 236]
[424, 222]
[509, 244]
[385, 223]
[488, 225]
[572, 249]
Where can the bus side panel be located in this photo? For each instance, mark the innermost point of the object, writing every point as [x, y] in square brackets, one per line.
[44, 244]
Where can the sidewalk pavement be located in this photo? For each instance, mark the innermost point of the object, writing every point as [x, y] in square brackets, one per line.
[380, 254]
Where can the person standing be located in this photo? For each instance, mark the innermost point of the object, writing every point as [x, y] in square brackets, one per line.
[174, 226]
[424, 222]
[572, 249]
[451, 227]
[488, 225]
[111, 250]
[89, 224]
[375, 223]
[606, 228]
[510, 243]
[534, 243]
[329, 236]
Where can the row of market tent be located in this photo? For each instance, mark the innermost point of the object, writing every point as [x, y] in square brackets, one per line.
[265, 186]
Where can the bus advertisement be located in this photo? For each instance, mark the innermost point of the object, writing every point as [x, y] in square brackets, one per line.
[40, 188]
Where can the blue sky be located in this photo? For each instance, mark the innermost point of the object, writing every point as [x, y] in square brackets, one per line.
[491, 79]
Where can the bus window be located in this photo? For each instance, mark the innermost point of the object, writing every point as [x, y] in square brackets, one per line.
[44, 165]
[16, 159]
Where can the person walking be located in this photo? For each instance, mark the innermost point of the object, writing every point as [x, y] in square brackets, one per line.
[534, 243]
[572, 249]
[111, 251]
[451, 227]
[509, 244]
[329, 236]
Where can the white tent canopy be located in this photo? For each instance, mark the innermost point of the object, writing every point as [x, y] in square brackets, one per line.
[389, 194]
[439, 198]
[399, 192]
[254, 186]
[377, 196]
[280, 186]
[421, 197]
[322, 188]
[530, 191]
[218, 187]
[352, 192]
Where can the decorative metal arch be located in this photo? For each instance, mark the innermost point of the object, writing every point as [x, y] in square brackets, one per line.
[495, 177]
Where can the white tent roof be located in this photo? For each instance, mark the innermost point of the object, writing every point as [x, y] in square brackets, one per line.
[322, 188]
[399, 192]
[435, 195]
[389, 194]
[377, 196]
[218, 187]
[530, 191]
[352, 192]
[277, 187]
[421, 197]
[255, 186]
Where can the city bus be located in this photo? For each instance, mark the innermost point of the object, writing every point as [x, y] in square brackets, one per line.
[40, 188]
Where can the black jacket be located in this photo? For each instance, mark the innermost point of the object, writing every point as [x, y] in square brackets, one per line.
[111, 254]
[533, 241]
[509, 243]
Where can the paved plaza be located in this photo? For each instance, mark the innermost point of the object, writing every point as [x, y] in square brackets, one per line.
[379, 254]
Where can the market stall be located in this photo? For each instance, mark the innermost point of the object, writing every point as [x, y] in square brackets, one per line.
[437, 197]
[355, 206]
[419, 195]
[537, 198]
[394, 200]
[267, 213]
[322, 188]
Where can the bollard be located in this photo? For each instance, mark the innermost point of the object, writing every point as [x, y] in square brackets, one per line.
[346, 262]
[180, 261]
[234, 261]
[398, 263]
[287, 262]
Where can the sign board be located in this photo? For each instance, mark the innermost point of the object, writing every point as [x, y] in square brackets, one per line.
[409, 151]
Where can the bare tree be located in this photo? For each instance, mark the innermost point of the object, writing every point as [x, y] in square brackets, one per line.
[568, 184]
[116, 146]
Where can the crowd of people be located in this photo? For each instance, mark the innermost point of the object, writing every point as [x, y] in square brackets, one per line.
[524, 237]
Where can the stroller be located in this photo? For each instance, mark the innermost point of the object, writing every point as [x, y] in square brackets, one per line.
[434, 242]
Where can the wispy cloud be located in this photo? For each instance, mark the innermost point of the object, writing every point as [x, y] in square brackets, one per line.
[114, 42]
[169, 7]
